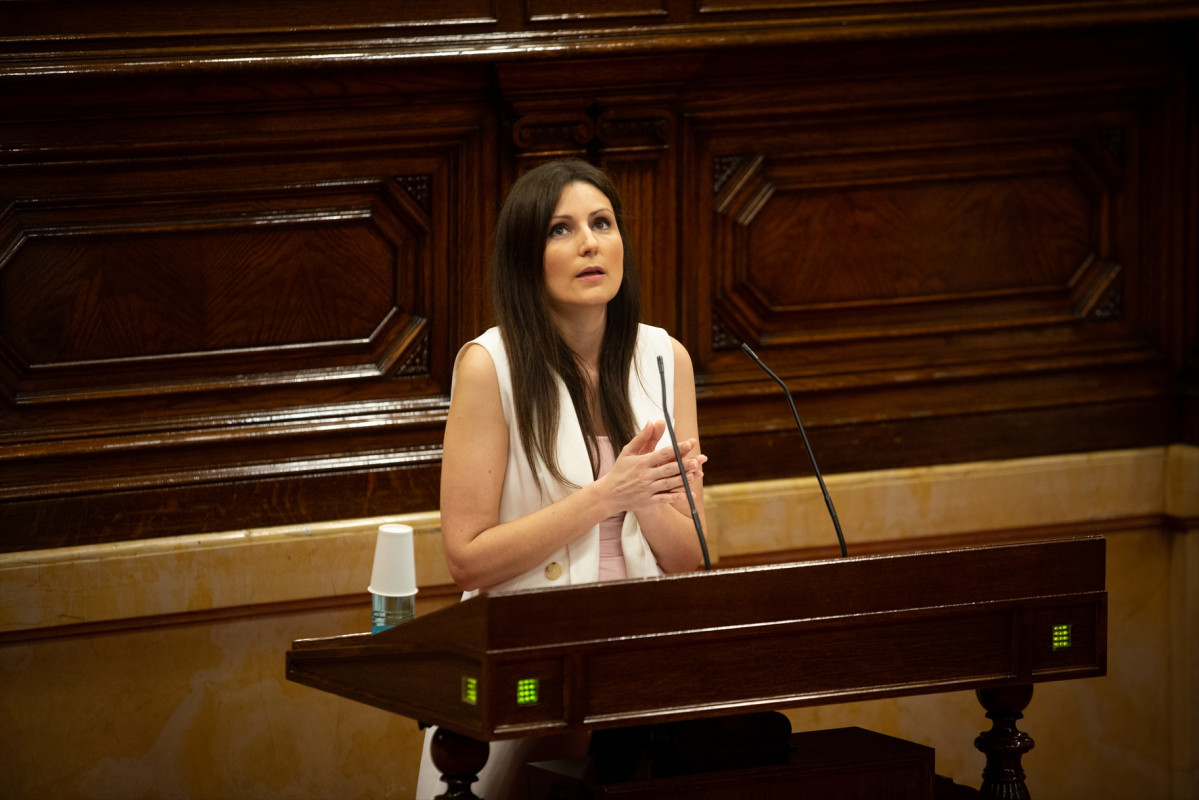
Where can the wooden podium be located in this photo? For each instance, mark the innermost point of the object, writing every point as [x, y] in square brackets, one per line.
[707, 644]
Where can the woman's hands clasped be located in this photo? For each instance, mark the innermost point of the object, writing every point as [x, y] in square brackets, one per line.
[644, 476]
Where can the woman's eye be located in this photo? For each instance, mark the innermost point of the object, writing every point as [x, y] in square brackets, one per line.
[602, 223]
[558, 229]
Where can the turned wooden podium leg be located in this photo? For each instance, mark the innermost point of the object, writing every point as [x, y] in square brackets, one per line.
[459, 759]
[1004, 744]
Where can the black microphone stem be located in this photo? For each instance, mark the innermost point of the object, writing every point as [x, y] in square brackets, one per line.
[678, 457]
[828, 501]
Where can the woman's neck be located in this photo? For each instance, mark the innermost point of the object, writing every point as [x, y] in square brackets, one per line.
[584, 334]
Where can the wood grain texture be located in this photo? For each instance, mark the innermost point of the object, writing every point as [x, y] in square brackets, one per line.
[236, 265]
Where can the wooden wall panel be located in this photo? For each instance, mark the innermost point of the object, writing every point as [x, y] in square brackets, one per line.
[892, 240]
[805, 257]
[237, 317]
[200, 288]
[236, 261]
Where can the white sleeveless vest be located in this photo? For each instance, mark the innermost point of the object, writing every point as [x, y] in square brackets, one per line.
[579, 560]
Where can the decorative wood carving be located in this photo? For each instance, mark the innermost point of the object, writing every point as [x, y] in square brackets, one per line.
[460, 760]
[554, 134]
[808, 243]
[1004, 744]
[166, 294]
[722, 336]
[418, 186]
[642, 129]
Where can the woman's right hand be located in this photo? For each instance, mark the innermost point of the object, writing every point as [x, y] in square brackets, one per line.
[644, 476]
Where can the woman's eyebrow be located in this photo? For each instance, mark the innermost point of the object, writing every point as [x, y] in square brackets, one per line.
[600, 210]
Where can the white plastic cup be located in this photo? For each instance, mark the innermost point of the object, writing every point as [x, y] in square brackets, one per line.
[393, 577]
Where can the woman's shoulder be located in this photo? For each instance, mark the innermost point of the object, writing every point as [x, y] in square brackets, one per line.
[490, 340]
[652, 337]
[658, 341]
[481, 361]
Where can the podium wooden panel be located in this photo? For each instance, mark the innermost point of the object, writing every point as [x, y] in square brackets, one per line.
[994, 619]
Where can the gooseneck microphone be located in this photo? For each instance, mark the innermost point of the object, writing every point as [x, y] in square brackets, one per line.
[678, 457]
[828, 501]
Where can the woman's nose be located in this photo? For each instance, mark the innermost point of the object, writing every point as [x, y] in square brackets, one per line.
[587, 240]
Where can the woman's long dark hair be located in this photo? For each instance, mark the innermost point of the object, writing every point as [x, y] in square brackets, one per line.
[536, 352]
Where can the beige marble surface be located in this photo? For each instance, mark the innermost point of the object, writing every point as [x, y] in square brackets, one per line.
[155, 669]
[953, 499]
[204, 572]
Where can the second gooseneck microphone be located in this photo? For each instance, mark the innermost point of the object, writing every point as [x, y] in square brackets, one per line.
[828, 501]
[674, 443]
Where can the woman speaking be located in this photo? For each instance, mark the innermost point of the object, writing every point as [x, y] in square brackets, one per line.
[555, 469]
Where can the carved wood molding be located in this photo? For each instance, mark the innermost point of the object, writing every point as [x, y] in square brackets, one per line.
[992, 237]
[635, 128]
[123, 36]
[590, 132]
[217, 291]
[553, 132]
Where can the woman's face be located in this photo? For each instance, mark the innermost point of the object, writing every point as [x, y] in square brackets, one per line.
[584, 253]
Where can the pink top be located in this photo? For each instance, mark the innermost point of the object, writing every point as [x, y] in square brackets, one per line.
[611, 567]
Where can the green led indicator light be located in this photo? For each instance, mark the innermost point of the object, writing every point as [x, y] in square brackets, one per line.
[1061, 636]
[470, 690]
[528, 692]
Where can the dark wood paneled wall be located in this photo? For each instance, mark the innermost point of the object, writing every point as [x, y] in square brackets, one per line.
[241, 244]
